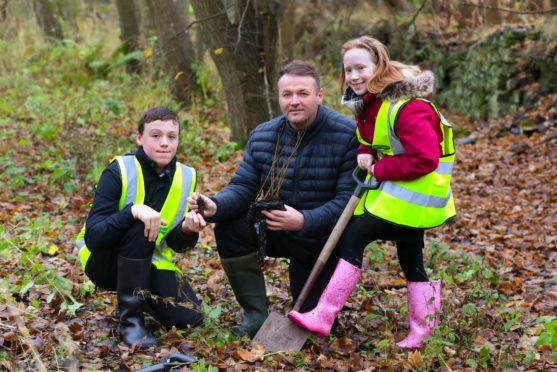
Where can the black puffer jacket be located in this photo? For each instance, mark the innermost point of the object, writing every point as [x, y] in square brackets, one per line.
[318, 181]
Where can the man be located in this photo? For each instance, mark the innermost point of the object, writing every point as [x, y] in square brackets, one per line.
[305, 159]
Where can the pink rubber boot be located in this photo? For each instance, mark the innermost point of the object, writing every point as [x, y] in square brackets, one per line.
[424, 305]
[320, 320]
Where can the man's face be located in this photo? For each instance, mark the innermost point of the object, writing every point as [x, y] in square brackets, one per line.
[299, 99]
[160, 141]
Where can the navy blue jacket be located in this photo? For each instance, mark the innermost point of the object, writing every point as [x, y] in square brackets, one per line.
[318, 181]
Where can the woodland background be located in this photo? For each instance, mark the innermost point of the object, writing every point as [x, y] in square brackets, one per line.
[76, 75]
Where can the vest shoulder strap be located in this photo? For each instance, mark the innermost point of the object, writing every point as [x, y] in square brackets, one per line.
[133, 185]
[392, 109]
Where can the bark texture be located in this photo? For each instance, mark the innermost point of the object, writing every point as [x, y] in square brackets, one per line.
[244, 42]
[129, 17]
[47, 17]
[170, 18]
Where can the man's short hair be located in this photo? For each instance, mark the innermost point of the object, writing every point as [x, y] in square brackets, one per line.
[301, 68]
[154, 114]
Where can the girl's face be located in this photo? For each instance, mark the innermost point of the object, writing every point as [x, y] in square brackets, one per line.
[358, 69]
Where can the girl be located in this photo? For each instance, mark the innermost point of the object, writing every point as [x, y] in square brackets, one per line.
[407, 145]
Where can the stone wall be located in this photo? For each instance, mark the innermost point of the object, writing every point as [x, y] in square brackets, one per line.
[491, 75]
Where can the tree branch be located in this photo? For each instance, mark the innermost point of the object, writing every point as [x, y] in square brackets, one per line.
[410, 22]
[550, 10]
[216, 15]
[186, 29]
[240, 26]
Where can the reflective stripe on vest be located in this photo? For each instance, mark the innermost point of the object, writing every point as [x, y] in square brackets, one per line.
[174, 208]
[133, 186]
[360, 139]
[421, 203]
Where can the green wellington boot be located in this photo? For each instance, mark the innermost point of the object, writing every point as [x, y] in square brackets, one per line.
[247, 281]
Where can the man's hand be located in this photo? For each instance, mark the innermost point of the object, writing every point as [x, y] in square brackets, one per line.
[193, 223]
[150, 218]
[209, 209]
[365, 162]
[289, 220]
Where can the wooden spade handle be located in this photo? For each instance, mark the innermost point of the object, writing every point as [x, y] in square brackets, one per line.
[327, 249]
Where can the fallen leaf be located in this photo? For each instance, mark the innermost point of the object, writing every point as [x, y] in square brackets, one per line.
[52, 249]
[252, 355]
[449, 351]
[415, 358]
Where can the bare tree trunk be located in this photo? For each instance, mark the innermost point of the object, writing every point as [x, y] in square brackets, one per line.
[534, 5]
[3, 10]
[492, 15]
[47, 17]
[148, 27]
[400, 5]
[170, 18]
[149, 33]
[288, 29]
[445, 10]
[128, 15]
[243, 39]
[70, 11]
[270, 12]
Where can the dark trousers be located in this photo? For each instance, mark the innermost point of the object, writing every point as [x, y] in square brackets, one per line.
[102, 269]
[237, 238]
[409, 244]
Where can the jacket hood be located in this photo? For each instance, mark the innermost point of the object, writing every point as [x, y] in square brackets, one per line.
[413, 86]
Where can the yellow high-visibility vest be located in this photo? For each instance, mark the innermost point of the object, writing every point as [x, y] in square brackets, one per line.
[174, 209]
[423, 203]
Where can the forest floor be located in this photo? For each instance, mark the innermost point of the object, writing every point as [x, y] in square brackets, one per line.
[498, 263]
[497, 260]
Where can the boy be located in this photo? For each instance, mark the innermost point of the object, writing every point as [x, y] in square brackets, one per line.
[138, 217]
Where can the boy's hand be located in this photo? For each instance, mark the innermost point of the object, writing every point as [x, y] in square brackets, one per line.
[210, 208]
[150, 218]
[193, 223]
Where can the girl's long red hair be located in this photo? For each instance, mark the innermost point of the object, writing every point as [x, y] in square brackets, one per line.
[387, 71]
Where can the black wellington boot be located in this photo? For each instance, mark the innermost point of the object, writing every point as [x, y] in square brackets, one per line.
[247, 281]
[134, 276]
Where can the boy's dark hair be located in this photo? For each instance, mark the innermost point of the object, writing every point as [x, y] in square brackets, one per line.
[156, 113]
[300, 68]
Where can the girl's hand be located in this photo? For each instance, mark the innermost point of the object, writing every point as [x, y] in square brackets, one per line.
[150, 218]
[208, 209]
[365, 162]
[193, 223]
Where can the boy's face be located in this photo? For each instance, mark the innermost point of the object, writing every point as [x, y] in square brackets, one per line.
[160, 141]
